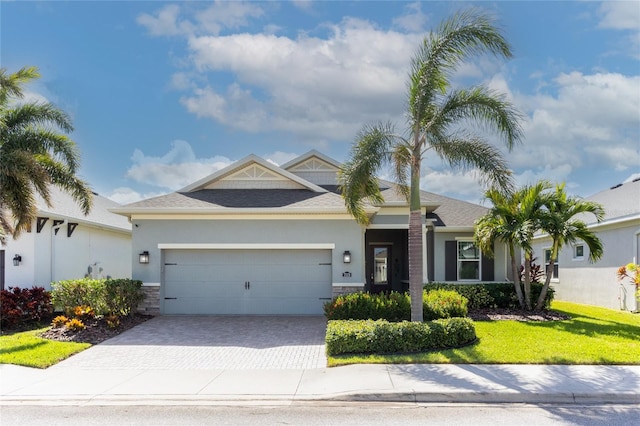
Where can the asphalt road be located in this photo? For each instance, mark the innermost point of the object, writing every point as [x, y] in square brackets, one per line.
[323, 413]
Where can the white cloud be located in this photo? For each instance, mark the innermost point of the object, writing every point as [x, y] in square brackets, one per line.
[413, 20]
[125, 195]
[465, 185]
[592, 119]
[278, 158]
[315, 88]
[620, 15]
[164, 23]
[553, 174]
[176, 169]
[632, 177]
[623, 16]
[219, 16]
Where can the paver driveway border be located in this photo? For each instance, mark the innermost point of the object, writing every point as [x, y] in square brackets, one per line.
[211, 342]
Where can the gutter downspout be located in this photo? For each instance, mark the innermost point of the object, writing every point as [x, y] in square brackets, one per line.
[52, 251]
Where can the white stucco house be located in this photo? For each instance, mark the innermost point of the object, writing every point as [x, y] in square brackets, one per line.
[256, 238]
[578, 280]
[63, 244]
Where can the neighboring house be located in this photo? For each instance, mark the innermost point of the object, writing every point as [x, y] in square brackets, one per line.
[64, 244]
[256, 238]
[578, 280]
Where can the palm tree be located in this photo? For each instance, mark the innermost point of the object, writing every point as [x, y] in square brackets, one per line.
[500, 224]
[561, 224]
[33, 155]
[514, 219]
[435, 113]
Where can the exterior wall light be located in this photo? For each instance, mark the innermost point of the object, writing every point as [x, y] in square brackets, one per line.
[346, 257]
[144, 257]
[16, 260]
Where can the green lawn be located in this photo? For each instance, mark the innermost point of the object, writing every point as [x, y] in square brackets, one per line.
[27, 349]
[592, 336]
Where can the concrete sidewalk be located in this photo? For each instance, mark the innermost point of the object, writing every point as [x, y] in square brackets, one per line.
[389, 383]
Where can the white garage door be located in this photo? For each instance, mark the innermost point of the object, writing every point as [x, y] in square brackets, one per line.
[246, 282]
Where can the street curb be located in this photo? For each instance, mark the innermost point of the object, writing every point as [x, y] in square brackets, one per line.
[567, 398]
[493, 397]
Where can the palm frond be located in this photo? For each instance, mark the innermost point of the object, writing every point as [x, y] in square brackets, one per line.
[357, 177]
[473, 153]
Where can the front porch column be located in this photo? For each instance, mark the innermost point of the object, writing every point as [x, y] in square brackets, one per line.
[425, 270]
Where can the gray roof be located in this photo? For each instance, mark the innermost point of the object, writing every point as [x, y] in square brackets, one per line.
[242, 198]
[443, 210]
[619, 201]
[65, 207]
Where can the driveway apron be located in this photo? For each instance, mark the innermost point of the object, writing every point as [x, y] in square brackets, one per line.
[211, 342]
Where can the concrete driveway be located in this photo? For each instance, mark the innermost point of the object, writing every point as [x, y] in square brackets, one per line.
[211, 342]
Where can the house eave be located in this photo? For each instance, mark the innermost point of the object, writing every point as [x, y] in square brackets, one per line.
[236, 211]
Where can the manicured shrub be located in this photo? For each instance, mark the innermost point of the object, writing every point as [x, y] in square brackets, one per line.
[23, 305]
[368, 336]
[491, 295]
[68, 294]
[363, 305]
[438, 304]
[123, 296]
[394, 306]
[105, 296]
[59, 321]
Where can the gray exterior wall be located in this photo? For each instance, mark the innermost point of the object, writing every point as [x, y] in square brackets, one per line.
[596, 284]
[502, 263]
[345, 234]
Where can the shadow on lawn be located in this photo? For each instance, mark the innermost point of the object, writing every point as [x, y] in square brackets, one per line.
[583, 326]
[16, 349]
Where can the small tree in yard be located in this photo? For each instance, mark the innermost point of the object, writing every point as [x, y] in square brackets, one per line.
[563, 227]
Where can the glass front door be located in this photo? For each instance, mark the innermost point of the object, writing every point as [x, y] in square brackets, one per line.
[381, 267]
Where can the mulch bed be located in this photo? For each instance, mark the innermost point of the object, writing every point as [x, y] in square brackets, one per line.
[96, 330]
[498, 314]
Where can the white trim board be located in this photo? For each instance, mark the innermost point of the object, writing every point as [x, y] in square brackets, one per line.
[247, 246]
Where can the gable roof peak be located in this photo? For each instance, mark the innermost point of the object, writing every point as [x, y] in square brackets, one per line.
[245, 163]
[309, 155]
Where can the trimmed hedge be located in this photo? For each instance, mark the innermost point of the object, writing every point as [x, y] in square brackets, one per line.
[368, 336]
[105, 296]
[492, 295]
[395, 306]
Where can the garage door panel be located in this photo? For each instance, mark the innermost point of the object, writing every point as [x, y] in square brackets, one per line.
[278, 281]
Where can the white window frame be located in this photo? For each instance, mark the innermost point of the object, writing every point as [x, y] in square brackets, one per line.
[556, 265]
[458, 260]
[575, 252]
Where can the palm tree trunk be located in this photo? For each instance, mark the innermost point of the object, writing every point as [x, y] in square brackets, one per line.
[527, 279]
[548, 276]
[415, 244]
[516, 275]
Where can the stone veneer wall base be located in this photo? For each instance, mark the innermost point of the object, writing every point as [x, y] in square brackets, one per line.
[150, 305]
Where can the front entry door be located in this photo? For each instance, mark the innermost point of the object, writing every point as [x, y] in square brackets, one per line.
[380, 274]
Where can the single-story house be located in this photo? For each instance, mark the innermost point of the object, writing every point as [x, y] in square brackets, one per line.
[578, 280]
[64, 244]
[257, 238]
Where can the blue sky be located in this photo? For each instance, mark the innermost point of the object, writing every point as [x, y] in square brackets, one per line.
[164, 93]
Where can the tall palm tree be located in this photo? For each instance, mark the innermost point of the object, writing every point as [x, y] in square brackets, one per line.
[435, 114]
[33, 155]
[514, 219]
[562, 225]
